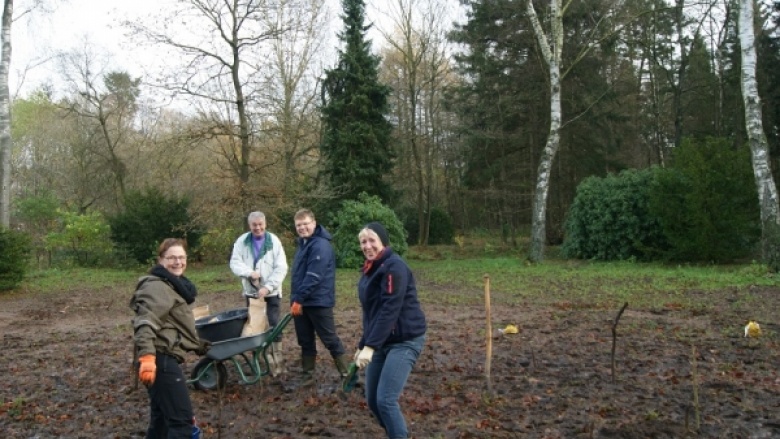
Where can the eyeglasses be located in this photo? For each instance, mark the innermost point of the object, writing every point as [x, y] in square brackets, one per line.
[175, 258]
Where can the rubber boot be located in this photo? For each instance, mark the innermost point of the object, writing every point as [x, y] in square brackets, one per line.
[342, 364]
[278, 366]
[307, 370]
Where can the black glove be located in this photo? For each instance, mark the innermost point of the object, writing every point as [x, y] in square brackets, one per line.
[204, 347]
[254, 293]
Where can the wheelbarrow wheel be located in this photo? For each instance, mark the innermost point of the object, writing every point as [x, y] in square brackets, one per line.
[215, 377]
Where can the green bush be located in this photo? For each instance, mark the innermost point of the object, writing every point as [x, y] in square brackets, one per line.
[442, 229]
[13, 258]
[348, 222]
[148, 218]
[83, 240]
[610, 218]
[706, 203]
[702, 208]
[216, 245]
[37, 214]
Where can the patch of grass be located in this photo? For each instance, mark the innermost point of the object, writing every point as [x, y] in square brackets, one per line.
[564, 284]
[53, 280]
[594, 283]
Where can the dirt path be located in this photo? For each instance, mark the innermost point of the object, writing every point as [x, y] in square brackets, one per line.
[67, 357]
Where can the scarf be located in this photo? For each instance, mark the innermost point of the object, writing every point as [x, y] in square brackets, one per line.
[368, 264]
[180, 284]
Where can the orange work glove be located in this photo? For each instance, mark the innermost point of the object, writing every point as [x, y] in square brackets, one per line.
[296, 309]
[147, 371]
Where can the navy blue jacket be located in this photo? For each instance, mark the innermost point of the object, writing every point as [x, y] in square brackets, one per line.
[313, 278]
[388, 295]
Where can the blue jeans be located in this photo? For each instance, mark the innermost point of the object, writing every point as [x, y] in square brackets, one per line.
[386, 377]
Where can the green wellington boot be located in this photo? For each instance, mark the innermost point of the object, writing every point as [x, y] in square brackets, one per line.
[342, 364]
[307, 370]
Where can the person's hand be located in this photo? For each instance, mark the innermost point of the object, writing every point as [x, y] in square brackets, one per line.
[147, 369]
[203, 347]
[296, 309]
[364, 357]
[251, 294]
[263, 291]
[254, 286]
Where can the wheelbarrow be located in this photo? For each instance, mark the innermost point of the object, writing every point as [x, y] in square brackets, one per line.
[248, 354]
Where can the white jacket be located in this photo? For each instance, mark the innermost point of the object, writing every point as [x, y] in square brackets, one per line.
[272, 266]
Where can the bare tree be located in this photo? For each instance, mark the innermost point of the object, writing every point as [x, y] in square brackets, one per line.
[293, 127]
[105, 104]
[759, 148]
[219, 46]
[416, 66]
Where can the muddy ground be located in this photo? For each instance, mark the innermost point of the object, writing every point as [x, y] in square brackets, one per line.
[66, 360]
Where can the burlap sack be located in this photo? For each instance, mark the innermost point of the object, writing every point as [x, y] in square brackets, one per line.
[200, 311]
[257, 320]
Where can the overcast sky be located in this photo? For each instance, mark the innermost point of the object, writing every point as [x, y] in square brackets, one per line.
[36, 39]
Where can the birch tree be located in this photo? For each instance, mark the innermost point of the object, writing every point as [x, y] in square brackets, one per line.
[551, 53]
[5, 115]
[759, 149]
[5, 107]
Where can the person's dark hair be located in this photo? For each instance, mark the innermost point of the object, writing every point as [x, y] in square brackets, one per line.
[303, 213]
[168, 243]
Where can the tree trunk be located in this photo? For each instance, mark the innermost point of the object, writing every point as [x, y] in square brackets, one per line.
[765, 184]
[5, 117]
[552, 55]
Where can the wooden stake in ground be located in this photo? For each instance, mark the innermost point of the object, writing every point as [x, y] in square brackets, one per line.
[695, 377]
[614, 338]
[488, 335]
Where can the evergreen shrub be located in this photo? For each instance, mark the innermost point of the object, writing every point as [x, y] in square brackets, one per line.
[14, 258]
[610, 218]
[148, 218]
[442, 231]
[702, 208]
[706, 202]
[350, 219]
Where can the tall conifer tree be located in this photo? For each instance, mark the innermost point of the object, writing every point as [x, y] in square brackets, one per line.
[356, 133]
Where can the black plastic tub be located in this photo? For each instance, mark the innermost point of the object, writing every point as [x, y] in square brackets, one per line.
[222, 326]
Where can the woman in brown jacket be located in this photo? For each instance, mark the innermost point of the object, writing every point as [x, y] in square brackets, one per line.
[164, 330]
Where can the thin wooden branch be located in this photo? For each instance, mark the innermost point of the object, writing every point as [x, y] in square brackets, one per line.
[695, 377]
[614, 338]
[488, 335]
